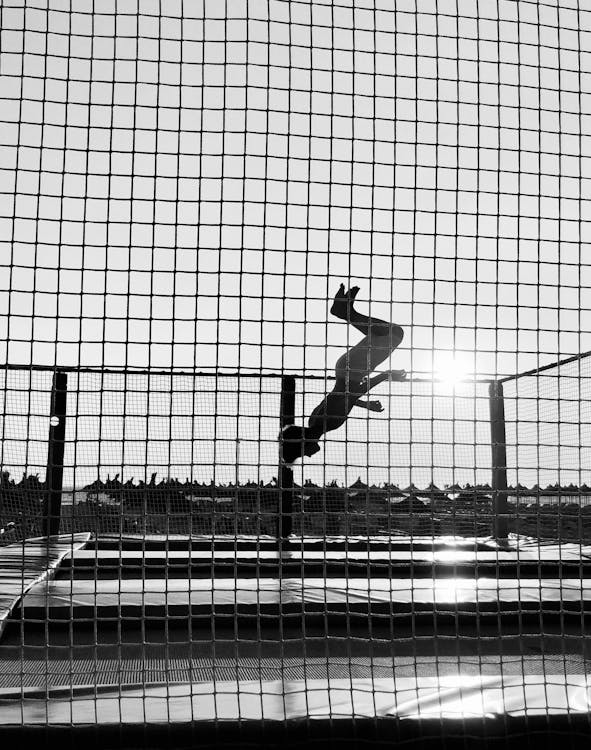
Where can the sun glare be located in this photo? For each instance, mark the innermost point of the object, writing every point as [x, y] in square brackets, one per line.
[451, 368]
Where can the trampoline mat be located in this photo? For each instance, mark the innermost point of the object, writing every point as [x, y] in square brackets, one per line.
[47, 674]
[443, 697]
[206, 593]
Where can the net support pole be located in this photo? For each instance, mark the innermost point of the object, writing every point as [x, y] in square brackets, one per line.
[499, 460]
[55, 454]
[286, 417]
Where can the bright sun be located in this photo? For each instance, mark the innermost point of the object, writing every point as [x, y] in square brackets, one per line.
[451, 368]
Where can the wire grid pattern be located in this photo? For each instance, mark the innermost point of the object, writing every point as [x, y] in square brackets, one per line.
[548, 424]
[24, 421]
[433, 153]
[204, 428]
[133, 671]
[548, 429]
[197, 453]
[184, 185]
[173, 453]
[429, 433]
[24, 429]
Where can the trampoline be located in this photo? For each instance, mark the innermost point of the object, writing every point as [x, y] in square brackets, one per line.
[190, 653]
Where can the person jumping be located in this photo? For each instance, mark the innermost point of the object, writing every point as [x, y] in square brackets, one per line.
[352, 378]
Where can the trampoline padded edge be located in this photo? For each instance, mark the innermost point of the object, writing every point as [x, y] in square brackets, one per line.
[25, 564]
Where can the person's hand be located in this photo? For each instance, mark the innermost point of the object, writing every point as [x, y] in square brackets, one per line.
[375, 406]
[397, 375]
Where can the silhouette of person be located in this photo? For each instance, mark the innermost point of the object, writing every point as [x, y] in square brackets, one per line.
[352, 372]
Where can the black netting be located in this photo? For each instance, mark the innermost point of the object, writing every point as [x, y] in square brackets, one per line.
[183, 188]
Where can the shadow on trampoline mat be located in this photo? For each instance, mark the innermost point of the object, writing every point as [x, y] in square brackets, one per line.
[573, 732]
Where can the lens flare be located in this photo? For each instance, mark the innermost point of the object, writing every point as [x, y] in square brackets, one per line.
[451, 368]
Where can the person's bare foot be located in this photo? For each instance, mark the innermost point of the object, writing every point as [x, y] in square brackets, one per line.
[343, 302]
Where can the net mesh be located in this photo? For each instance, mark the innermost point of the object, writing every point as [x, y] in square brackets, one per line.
[183, 187]
[548, 420]
[197, 454]
[548, 417]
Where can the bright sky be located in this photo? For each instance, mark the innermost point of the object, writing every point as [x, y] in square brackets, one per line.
[189, 189]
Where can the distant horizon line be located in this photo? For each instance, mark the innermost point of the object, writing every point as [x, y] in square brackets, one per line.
[521, 489]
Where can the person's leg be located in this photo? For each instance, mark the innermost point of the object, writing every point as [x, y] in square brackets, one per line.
[343, 308]
[357, 363]
[380, 340]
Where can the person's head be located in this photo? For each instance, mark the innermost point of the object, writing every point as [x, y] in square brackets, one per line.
[297, 443]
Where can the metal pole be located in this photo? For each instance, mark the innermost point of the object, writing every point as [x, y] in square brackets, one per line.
[55, 454]
[286, 417]
[499, 460]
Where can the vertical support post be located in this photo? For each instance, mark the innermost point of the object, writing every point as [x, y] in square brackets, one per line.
[55, 454]
[286, 417]
[499, 460]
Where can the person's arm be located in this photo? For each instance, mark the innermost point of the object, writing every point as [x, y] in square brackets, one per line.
[390, 375]
[376, 380]
[370, 405]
